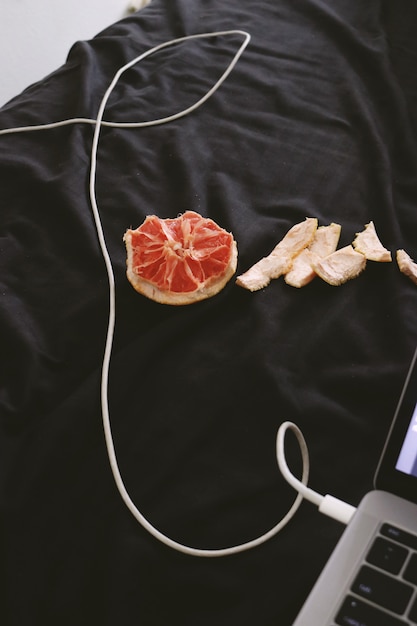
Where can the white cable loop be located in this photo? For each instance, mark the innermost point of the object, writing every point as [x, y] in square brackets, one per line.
[100, 122]
[328, 505]
[298, 485]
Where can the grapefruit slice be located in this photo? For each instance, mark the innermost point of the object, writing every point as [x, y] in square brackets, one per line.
[181, 260]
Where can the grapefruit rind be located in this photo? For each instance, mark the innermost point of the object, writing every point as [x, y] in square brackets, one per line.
[367, 242]
[340, 266]
[280, 260]
[182, 260]
[325, 242]
[406, 265]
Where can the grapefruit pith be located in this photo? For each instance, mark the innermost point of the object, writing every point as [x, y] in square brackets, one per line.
[179, 260]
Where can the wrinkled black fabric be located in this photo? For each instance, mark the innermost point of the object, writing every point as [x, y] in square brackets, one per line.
[317, 119]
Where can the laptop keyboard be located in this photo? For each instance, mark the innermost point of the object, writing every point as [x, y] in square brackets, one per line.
[384, 592]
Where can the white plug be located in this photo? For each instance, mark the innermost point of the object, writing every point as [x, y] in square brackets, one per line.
[337, 509]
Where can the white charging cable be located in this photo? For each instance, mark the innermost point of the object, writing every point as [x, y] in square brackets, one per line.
[104, 386]
[326, 504]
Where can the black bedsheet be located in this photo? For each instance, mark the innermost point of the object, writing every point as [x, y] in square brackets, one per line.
[318, 119]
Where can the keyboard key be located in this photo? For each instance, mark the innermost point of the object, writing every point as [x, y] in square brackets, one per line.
[407, 539]
[357, 613]
[383, 590]
[387, 555]
[410, 572]
[413, 612]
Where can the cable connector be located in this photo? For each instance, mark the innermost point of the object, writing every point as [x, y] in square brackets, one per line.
[337, 509]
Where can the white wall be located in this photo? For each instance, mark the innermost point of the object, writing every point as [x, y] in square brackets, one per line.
[36, 35]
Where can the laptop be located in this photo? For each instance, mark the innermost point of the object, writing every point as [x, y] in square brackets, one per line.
[371, 576]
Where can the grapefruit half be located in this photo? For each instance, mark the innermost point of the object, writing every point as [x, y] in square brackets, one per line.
[180, 260]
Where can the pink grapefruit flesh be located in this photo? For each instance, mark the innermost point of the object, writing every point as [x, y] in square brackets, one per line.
[180, 260]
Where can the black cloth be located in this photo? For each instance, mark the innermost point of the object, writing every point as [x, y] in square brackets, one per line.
[318, 119]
